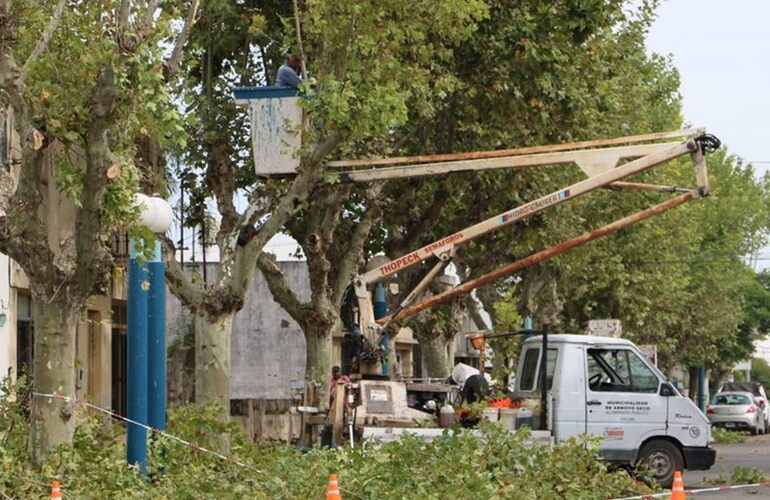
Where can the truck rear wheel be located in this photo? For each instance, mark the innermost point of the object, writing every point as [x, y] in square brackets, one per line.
[660, 459]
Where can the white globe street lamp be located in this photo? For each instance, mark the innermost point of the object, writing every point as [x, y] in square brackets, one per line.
[155, 213]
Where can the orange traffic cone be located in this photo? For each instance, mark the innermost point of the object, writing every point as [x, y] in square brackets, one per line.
[677, 489]
[55, 491]
[333, 490]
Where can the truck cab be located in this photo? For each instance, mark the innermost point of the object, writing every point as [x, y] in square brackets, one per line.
[605, 387]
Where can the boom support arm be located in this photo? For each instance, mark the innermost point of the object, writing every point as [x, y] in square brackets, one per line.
[445, 245]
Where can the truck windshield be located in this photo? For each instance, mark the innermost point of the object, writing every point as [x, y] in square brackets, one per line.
[619, 370]
[530, 368]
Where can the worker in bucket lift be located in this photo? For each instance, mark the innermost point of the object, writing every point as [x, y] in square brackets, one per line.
[288, 73]
[337, 375]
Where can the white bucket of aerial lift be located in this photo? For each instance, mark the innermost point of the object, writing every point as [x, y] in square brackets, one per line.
[276, 122]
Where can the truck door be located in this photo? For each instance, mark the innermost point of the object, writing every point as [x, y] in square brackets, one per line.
[622, 401]
[569, 394]
[528, 381]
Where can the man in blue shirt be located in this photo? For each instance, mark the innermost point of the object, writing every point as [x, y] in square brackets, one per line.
[288, 73]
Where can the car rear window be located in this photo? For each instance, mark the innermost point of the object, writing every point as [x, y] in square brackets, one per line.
[731, 399]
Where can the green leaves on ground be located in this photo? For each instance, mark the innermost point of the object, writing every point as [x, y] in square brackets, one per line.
[723, 436]
[496, 463]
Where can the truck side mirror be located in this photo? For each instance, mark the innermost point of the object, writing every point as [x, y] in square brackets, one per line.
[667, 390]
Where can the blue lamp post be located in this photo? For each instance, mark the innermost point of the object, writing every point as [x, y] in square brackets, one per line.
[146, 363]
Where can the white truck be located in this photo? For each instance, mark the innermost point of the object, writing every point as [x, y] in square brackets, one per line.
[605, 387]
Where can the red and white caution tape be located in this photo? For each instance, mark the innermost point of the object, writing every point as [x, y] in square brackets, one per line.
[699, 490]
[156, 432]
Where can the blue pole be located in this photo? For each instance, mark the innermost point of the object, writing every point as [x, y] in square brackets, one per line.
[156, 336]
[380, 304]
[527, 327]
[136, 387]
[702, 388]
[380, 311]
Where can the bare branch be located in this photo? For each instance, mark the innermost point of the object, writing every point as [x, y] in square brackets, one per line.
[330, 217]
[179, 283]
[220, 175]
[42, 43]
[123, 14]
[92, 259]
[346, 268]
[172, 66]
[299, 40]
[143, 30]
[291, 202]
[281, 290]
[7, 189]
[23, 236]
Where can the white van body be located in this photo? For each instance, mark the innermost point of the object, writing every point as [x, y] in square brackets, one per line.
[605, 387]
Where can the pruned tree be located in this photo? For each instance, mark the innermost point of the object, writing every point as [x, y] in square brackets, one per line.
[80, 84]
[369, 61]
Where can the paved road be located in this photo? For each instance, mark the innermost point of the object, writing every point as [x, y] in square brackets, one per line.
[755, 452]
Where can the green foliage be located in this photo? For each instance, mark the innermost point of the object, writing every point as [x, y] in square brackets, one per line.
[507, 317]
[494, 463]
[760, 371]
[506, 349]
[580, 72]
[80, 49]
[473, 410]
[372, 60]
[723, 436]
[740, 475]
[748, 475]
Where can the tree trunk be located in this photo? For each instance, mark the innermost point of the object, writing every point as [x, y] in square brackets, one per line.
[212, 361]
[52, 422]
[692, 386]
[319, 359]
[436, 362]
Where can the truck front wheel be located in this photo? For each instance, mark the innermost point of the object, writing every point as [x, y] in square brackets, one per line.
[660, 459]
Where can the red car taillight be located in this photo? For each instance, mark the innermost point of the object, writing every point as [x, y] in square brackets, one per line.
[751, 409]
[709, 410]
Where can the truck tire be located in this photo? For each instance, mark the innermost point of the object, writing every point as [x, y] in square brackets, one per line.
[660, 459]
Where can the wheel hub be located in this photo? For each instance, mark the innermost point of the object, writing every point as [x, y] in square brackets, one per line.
[659, 463]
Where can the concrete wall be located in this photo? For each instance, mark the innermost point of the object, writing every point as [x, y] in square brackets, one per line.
[267, 346]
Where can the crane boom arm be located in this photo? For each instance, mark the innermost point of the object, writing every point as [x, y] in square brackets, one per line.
[446, 244]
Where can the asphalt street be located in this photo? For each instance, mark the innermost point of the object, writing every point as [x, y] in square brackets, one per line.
[755, 452]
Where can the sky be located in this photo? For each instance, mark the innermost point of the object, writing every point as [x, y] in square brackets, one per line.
[722, 49]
